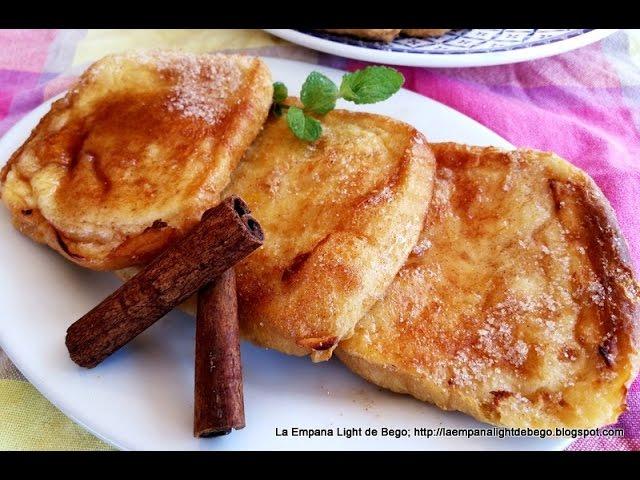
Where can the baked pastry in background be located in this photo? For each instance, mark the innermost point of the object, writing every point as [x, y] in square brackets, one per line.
[381, 34]
[133, 154]
[388, 34]
[518, 304]
[425, 32]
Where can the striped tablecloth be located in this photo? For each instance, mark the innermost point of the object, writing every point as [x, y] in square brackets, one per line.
[583, 105]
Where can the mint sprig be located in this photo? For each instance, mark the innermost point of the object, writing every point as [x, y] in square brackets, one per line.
[303, 126]
[371, 84]
[280, 92]
[319, 95]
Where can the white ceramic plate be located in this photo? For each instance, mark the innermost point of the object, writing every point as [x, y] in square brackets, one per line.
[457, 48]
[142, 397]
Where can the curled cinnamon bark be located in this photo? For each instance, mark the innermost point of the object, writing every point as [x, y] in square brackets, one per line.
[225, 235]
[219, 405]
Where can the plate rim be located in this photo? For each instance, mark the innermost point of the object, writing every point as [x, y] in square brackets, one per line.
[408, 59]
[24, 368]
[52, 395]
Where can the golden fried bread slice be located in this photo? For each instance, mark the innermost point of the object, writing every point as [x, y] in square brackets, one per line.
[425, 32]
[134, 153]
[382, 34]
[517, 306]
[340, 216]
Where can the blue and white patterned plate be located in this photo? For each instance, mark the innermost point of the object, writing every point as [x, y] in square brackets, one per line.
[457, 48]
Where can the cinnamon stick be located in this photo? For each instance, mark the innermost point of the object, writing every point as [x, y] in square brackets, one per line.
[225, 235]
[219, 405]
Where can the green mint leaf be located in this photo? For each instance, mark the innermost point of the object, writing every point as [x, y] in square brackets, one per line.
[277, 109]
[319, 94]
[303, 126]
[280, 92]
[371, 84]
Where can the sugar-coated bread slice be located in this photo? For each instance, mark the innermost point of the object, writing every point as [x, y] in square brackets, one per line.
[518, 304]
[134, 153]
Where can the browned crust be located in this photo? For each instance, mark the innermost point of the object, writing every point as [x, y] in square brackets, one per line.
[44, 121]
[140, 248]
[611, 366]
[608, 254]
[303, 274]
[610, 259]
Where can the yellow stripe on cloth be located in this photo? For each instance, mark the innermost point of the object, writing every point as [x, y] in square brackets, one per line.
[29, 422]
[634, 45]
[99, 43]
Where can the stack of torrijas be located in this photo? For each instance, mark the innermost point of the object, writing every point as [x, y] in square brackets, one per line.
[495, 283]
